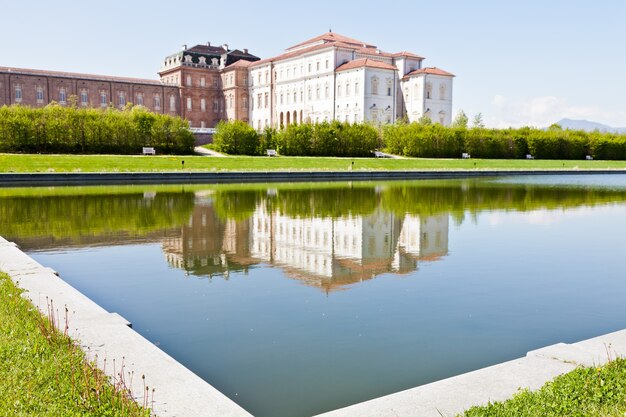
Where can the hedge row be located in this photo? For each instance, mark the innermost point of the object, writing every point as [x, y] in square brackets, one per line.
[323, 139]
[59, 129]
[436, 141]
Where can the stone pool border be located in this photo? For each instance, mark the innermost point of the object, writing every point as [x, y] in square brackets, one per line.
[103, 178]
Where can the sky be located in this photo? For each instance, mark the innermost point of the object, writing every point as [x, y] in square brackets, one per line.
[518, 63]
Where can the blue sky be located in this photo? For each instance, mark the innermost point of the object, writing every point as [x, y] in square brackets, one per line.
[518, 63]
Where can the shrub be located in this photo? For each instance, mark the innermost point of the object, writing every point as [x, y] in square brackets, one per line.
[58, 129]
[236, 138]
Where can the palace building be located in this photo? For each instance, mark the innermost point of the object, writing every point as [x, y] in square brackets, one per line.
[329, 77]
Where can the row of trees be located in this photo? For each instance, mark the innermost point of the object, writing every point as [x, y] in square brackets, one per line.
[322, 139]
[60, 129]
[425, 140]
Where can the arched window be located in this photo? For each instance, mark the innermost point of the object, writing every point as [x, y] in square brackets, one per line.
[429, 90]
[140, 99]
[442, 91]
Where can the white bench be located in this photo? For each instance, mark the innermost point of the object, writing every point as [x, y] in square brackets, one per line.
[529, 156]
[465, 155]
[149, 151]
[378, 154]
[589, 158]
[271, 152]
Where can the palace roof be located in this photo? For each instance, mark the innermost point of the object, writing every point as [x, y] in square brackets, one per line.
[365, 62]
[331, 37]
[75, 75]
[430, 70]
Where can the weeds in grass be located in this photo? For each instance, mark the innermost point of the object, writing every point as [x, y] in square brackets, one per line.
[46, 373]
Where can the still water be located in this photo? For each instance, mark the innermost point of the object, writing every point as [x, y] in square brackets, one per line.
[298, 299]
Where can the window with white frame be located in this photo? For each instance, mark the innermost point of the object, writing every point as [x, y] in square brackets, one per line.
[157, 102]
[375, 85]
[121, 98]
[172, 103]
[188, 103]
[84, 98]
[18, 93]
[103, 99]
[348, 88]
[317, 91]
[39, 94]
[216, 106]
[139, 99]
[356, 87]
[203, 104]
[429, 89]
[266, 100]
[244, 102]
[442, 91]
[62, 95]
[188, 81]
[202, 82]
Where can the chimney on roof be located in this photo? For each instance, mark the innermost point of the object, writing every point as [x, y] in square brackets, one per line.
[184, 46]
[208, 44]
[225, 46]
[245, 50]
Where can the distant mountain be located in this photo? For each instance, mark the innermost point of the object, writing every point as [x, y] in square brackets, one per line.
[588, 126]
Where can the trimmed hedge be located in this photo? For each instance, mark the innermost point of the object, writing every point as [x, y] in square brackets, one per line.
[71, 130]
[436, 141]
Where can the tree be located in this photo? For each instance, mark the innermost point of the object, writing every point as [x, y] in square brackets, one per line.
[425, 121]
[478, 121]
[461, 119]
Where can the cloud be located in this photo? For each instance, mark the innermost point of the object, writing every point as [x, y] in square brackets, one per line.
[543, 111]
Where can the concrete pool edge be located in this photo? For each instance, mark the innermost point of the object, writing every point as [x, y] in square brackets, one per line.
[106, 178]
[179, 392]
[103, 335]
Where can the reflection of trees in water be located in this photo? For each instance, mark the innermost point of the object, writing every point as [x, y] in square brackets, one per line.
[94, 217]
[219, 231]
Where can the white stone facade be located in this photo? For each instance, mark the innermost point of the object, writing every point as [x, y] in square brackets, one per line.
[332, 77]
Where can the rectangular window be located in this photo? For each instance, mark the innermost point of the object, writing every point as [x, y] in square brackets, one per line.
[103, 99]
[244, 102]
[202, 82]
[122, 99]
[172, 103]
[84, 98]
[39, 95]
[188, 81]
[62, 96]
[389, 91]
[203, 104]
[18, 93]
[188, 103]
[140, 99]
[258, 101]
[216, 106]
[266, 99]
[215, 82]
[157, 102]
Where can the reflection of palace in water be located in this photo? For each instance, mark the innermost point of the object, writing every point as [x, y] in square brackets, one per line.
[325, 252]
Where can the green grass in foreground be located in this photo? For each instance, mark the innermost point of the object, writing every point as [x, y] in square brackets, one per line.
[43, 373]
[125, 163]
[583, 392]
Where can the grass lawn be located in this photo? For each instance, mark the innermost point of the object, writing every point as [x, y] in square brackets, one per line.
[583, 392]
[118, 163]
[43, 373]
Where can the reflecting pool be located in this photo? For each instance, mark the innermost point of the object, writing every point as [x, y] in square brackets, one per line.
[295, 299]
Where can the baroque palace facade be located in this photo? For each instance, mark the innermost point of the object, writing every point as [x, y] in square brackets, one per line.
[329, 77]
